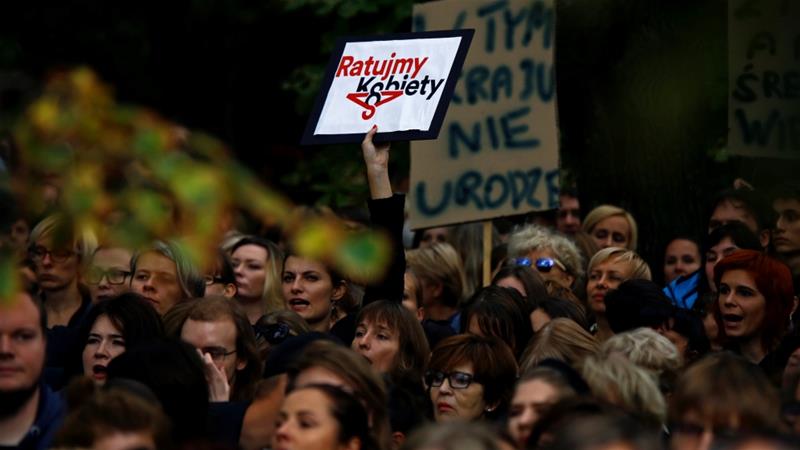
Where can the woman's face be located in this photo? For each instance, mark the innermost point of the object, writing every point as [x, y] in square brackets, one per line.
[464, 404]
[308, 289]
[410, 300]
[433, 236]
[531, 399]
[604, 277]
[156, 278]
[305, 423]
[741, 305]
[682, 257]
[724, 248]
[378, 344]
[613, 231]
[105, 343]
[250, 267]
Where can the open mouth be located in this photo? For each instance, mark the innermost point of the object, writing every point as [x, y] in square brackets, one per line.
[732, 318]
[99, 371]
[299, 304]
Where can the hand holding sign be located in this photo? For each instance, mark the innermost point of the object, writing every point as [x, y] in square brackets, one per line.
[376, 159]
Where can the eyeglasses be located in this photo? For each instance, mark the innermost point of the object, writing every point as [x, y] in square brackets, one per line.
[39, 252]
[543, 265]
[218, 354]
[113, 276]
[457, 380]
[211, 279]
[274, 333]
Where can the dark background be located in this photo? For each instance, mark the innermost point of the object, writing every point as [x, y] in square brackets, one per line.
[642, 90]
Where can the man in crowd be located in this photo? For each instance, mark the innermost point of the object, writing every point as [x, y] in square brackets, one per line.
[30, 413]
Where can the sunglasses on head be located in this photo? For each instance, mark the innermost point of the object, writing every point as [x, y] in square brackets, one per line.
[543, 265]
[274, 333]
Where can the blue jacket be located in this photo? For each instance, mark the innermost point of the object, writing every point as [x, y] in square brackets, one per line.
[49, 415]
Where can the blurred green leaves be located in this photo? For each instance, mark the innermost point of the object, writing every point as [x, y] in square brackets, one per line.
[132, 177]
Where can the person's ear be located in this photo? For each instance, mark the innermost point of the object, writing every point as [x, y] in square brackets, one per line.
[229, 291]
[398, 439]
[421, 313]
[353, 444]
[339, 291]
[764, 238]
[241, 363]
[569, 278]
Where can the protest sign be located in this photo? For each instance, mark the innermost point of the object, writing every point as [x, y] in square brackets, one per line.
[764, 78]
[497, 154]
[402, 83]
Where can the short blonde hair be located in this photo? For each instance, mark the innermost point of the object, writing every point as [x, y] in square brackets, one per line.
[561, 339]
[82, 241]
[534, 237]
[618, 381]
[603, 212]
[646, 348]
[440, 263]
[639, 268]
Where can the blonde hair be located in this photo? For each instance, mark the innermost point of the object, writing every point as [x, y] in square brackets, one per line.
[440, 263]
[62, 230]
[534, 237]
[639, 268]
[603, 212]
[618, 381]
[646, 348]
[561, 339]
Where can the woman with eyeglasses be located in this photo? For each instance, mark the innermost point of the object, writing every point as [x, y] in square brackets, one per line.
[470, 378]
[109, 273]
[553, 256]
[114, 326]
[607, 270]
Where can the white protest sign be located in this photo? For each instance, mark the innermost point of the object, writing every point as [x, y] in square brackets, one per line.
[764, 78]
[497, 154]
[402, 84]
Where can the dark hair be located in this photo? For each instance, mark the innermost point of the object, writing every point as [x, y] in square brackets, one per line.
[750, 201]
[492, 362]
[556, 307]
[355, 371]
[223, 268]
[108, 411]
[214, 308]
[531, 280]
[737, 232]
[413, 351]
[349, 412]
[773, 280]
[498, 315]
[131, 314]
[175, 373]
[722, 386]
[637, 303]
[689, 324]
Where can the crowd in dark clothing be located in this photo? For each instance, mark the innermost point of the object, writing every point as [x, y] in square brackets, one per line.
[569, 344]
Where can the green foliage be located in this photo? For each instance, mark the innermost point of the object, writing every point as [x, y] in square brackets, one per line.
[130, 177]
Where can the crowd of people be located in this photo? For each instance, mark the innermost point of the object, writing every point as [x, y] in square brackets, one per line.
[570, 345]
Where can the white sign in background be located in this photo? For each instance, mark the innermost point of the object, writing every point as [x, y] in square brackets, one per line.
[419, 69]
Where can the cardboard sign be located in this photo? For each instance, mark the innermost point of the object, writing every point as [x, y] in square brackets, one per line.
[764, 78]
[497, 154]
[402, 83]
